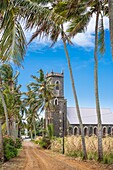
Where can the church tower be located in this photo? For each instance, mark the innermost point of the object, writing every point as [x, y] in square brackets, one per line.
[58, 117]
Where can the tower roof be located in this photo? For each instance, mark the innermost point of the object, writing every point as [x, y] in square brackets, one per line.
[53, 74]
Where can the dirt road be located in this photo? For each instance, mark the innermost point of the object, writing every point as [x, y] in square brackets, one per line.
[33, 158]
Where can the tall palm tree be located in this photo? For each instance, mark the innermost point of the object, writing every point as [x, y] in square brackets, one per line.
[10, 94]
[38, 97]
[1, 144]
[100, 150]
[5, 112]
[110, 2]
[96, 7]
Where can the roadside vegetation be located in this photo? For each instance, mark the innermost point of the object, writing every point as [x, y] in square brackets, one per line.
[11, 147]
[73, 147]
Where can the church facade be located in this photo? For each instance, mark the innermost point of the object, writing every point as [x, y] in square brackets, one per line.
[65, 120]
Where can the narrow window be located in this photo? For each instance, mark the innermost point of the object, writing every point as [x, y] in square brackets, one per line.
[57, 85]
[56, 102]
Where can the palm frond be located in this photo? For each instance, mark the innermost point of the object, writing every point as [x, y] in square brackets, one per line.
[12, 43]
[101, 39]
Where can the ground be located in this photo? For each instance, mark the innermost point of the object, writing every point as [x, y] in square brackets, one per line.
[32, 157]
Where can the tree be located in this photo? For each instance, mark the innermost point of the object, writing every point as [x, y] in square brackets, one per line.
[10, 96]
[38, 97]
[98, 8]
[1, 145]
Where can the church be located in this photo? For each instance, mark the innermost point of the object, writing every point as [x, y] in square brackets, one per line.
[65, 120]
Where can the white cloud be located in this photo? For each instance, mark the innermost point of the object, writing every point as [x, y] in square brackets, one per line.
[87, 39]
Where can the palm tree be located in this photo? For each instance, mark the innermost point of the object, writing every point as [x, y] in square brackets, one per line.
[10, 96]
[96, 7]
[100, 150]
[5, 112]
[44, 91]
[38, 97]
[110, 2]
[1, 145]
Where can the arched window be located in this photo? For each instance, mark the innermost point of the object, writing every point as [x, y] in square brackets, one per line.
[85, 131]
[56, 101]
[95, 130]
[90, 131]
[104, 131]
[76, 131]
[57, 84]
[109, 130]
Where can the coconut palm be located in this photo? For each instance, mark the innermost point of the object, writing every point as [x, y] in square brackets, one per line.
[10, 95]
[44, 91]
[1, 143]
[96, 7]
[38, 98]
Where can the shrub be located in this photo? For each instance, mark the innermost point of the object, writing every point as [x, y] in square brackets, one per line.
[44, 142]
[10, 150]
[18, 143]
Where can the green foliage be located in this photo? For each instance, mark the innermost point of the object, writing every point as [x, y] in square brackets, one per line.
[108, 159]
[10, 149]
[18, 143]
[50, 131]
[10, 152]
[44, 143]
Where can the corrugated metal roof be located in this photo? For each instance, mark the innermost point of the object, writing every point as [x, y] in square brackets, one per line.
[89, 116]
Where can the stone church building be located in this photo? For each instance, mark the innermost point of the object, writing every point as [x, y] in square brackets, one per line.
[63, 117]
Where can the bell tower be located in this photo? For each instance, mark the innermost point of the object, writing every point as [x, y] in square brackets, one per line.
[58, 117]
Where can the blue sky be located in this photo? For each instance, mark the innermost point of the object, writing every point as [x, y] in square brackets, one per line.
[40, 56]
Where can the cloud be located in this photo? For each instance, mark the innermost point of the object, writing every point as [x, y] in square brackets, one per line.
[85, 39]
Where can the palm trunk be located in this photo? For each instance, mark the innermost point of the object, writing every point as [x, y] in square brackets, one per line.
[5, 112]
[76, 99]
[1, 146]
[31, 134]
[110, 2]
[34, 126]
[100, 149]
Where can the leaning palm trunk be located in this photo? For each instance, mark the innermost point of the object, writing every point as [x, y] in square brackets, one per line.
[100, 150]
[76, 99]
[5, 112]
[31, 134]
[1, 146]
[34, 127]
[111, 22]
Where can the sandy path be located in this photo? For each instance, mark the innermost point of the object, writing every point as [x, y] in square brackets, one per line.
[34, 158]
[39, 159]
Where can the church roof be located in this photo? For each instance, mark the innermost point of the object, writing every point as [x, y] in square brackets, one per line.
[89, 116]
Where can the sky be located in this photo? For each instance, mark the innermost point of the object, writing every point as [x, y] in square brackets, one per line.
[39, 55]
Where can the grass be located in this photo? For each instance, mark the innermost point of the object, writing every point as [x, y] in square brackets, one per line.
[73, 147]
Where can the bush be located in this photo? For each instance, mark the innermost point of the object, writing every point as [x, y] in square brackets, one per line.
[10, 149]
[44, 142]
[18, 143]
